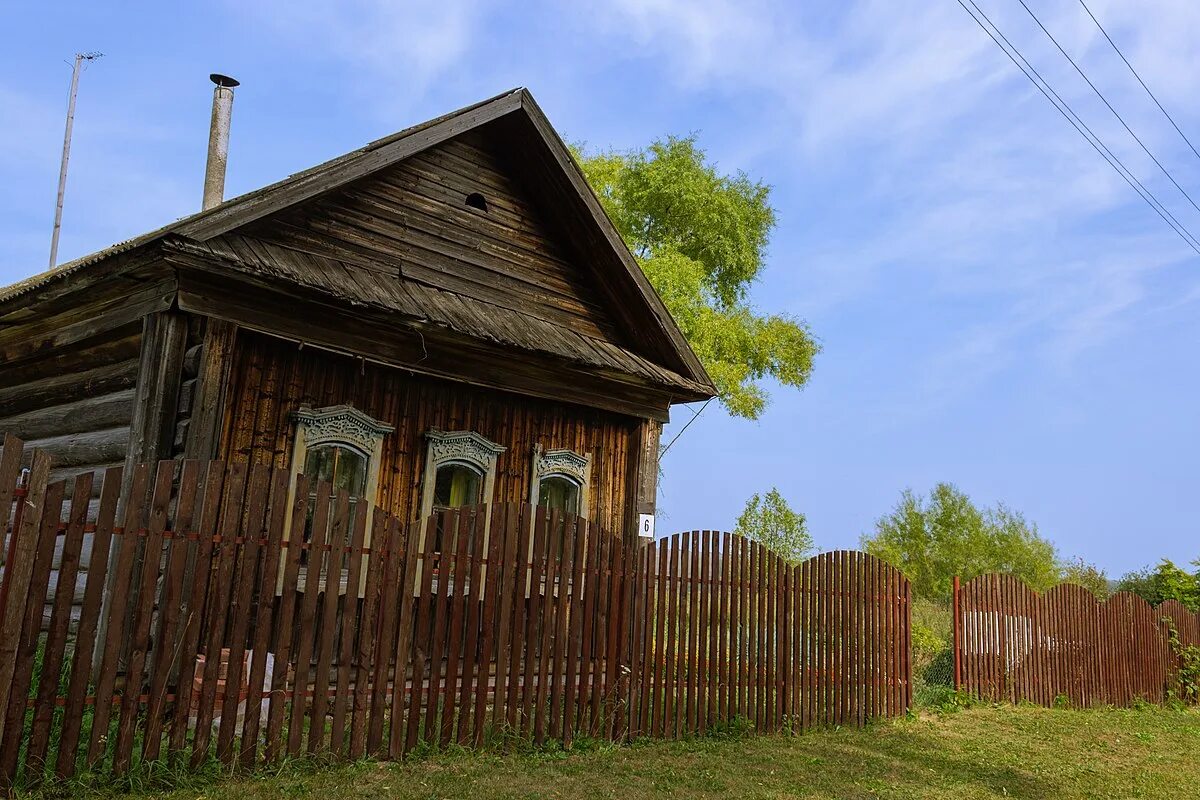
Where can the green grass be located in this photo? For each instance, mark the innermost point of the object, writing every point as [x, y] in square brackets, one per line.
[980, 752]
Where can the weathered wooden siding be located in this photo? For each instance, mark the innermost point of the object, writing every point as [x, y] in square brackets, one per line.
[75, 403]
[411, 223]
[271, 378]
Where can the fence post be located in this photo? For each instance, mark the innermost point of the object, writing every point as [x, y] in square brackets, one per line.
[957, 610]
[19, 499]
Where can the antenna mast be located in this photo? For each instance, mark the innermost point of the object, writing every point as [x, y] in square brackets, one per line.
[66, 155]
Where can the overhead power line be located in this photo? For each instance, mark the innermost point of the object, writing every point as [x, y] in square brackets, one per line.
[1080, 126]
[1104, 99]
[1139, 79]
[685, 427]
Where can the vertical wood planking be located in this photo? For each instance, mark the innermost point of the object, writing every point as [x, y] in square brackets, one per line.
[85, 641]
[306, 623]
[166, 650]
[19, 572]
[114, 629]
[423, 631]
[30, 624]
[327, 631]
[460, 586]
[249, 534]
[265, 603]
[286, 621]
[56, 637]
[349, 626]
[190, 637]
[371, 650]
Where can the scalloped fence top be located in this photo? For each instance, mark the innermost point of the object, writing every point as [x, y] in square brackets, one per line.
[1066, 646]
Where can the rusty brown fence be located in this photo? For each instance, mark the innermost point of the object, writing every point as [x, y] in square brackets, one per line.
[226, 612]
[1013, 644]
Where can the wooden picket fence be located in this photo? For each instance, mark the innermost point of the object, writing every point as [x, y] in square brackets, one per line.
[1013, 644]
[224, 614]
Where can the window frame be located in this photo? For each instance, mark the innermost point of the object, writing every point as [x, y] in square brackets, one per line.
[465, 448]
[561, 463]
[339, 426]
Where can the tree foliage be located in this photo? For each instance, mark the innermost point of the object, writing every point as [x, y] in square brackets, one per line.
[770, 521]
[701, 237]
[932, 539]
[1089, 576]
[1166, 581]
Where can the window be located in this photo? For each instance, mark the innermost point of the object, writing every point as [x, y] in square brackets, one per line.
[344, 446]
[560, 480]
[460, 472]
[559, 494]
[456, 486]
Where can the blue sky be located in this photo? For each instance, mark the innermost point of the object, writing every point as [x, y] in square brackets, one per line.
[997, 308]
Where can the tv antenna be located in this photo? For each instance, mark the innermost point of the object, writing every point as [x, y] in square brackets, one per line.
[80, 58]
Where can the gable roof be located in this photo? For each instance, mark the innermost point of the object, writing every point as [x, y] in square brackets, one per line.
[665, 356]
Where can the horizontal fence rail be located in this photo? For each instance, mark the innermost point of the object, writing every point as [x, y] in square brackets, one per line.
[1016, 645]
[193, 611]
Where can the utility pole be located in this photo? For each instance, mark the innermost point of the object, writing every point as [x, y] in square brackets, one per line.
[66, 154]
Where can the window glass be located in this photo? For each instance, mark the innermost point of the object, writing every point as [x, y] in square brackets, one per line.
[343, 468]
[558, 493]
[456, 486]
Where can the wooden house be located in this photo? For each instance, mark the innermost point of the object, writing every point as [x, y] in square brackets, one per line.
[445, 317]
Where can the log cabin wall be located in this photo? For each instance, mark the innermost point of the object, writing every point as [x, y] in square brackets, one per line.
[75, 402]
[272, 378]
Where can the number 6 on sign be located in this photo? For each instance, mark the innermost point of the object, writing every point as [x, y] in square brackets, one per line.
[646, 526]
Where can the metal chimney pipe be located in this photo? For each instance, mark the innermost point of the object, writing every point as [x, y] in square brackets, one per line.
[218, 140]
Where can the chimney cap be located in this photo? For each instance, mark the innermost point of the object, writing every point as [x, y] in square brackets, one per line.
[223, 80]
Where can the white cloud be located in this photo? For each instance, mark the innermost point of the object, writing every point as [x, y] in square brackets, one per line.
[408, 44]
[984, 193]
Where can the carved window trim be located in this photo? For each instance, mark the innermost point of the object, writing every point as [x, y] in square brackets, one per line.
[561, 463]
[341, 426]
[457, 447]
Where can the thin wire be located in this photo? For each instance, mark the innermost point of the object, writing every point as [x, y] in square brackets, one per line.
[684, 428]
[1080, 126]
[1139, 78]
[1104, 99]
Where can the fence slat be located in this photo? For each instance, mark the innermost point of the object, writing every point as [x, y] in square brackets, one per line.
[266, 601]
[39, 581]
[165, 649]
[371, 634]
[548, 607]
[252, 528]
[508, 515]
[349, 623]
[214, 479]
[327, 631]
[562, 615]
[81, 667]
[590, 674]
[395, 557]
[306, 624]
[287, 607]
[460, 585]
[217, 607]
[19, 571]
[410, 540]
[424, 626]
[56, 637]
[471, 644]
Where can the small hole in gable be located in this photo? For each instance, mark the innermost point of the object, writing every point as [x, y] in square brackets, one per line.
[475, 200]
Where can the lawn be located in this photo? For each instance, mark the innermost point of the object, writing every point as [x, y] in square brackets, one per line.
[980, 752]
